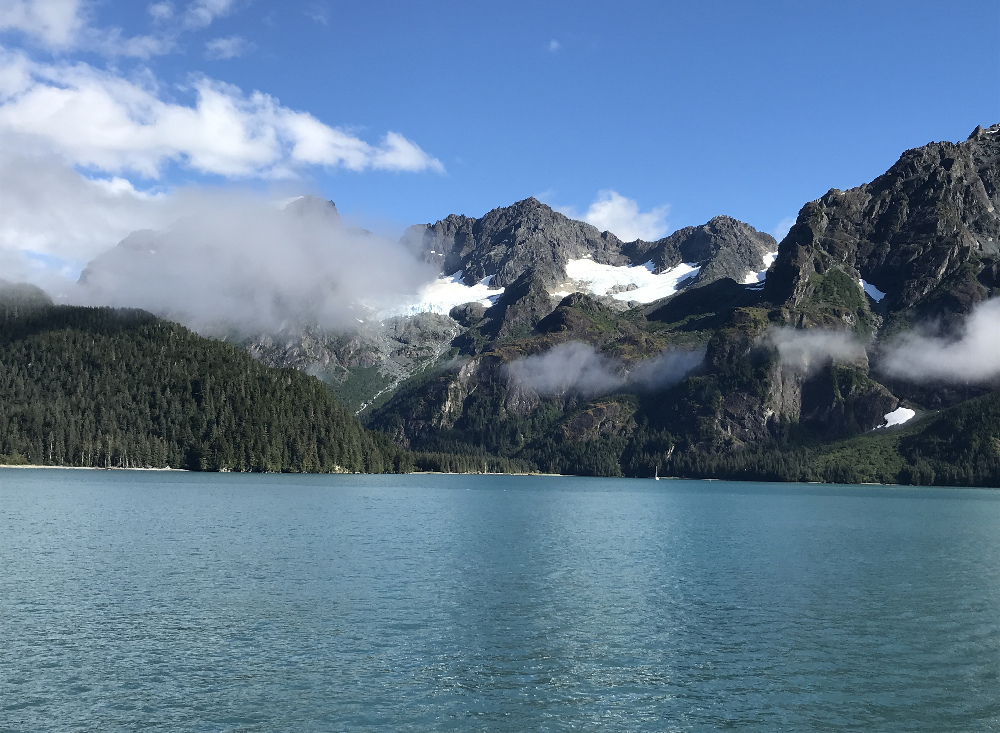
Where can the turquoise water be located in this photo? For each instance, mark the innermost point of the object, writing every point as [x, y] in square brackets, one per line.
[192, 602]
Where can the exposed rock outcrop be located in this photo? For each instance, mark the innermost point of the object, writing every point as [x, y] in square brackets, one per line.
[509, 241]
[530, 237]
[923, 233]
[724, 247]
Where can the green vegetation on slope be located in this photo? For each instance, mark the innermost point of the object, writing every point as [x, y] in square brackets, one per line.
[121, 388]
[354, 385]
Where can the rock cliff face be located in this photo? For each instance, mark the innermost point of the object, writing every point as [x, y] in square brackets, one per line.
[392, 352]
[926, 233]
[530, 237]
[724, 247]
[509, 241]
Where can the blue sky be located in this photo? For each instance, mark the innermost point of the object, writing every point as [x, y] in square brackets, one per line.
[685, 110]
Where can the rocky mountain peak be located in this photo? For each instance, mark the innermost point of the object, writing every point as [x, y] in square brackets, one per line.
[312, 206]
[926, 232]
[530, 236]
[980, 133]
[722, 247]
[508, 241]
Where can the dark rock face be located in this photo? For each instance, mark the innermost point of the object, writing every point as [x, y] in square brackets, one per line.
[724, 247]
[704, 307]
[469, 314]
[509, 241]
[926, 233]
[520, 308]
[603, 418]
[529, 235]
[842, 401]
[922, 233]
[515, 314]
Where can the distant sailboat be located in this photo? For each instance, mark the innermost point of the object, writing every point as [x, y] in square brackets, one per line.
[656, 474]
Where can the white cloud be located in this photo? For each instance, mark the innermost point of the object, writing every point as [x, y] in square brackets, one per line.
[227, 48]
[161, 11]
[781, 230]
[201, 13]
[621, 216]
[101, 120]
[554, 46]
[807, 350]
[236, 259]
[61, 25]
[111, 42]
[577, 367]
[318, 13]
[53, 219]
[972, 356]
[55, 23]
[207, 257]
[396, 153]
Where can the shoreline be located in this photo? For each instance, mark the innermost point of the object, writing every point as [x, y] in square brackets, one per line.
[478, 473]
[88, 468]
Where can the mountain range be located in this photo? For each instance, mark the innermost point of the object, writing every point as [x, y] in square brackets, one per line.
[849, 351]
[805, 361]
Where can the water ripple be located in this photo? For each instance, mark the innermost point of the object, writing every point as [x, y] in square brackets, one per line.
[183, 602]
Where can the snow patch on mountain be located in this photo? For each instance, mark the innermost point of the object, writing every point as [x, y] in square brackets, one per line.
[899, 416]
[761, 275]
[443, 294]
[635, 283]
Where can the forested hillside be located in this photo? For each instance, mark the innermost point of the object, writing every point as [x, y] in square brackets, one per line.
[121, 388]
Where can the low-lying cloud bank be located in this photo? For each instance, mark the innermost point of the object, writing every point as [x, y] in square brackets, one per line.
[578, 368]
[240, 262]
[972, 356]
[806, 350]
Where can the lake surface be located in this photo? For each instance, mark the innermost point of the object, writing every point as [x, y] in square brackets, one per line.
[193, 602]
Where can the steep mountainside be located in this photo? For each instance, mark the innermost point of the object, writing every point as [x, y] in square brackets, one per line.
[597, 356]
[926, 233]
[529, 237]
[509, 241]
[786, 389]
[527, 248]
[724, 247]
[524, 249]
[361, 365]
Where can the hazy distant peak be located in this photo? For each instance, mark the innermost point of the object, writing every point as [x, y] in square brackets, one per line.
[312, 205]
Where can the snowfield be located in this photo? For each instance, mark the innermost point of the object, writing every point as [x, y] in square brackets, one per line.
[600, 279]
[443, 294]
[760, 276]
[899, 416]
[636, 283]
